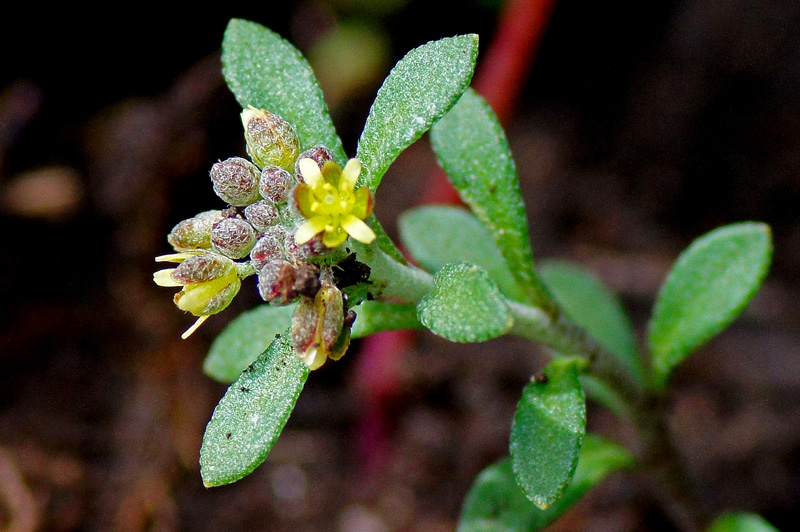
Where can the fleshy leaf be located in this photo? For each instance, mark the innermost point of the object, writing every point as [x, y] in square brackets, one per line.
[547, 432]
[474, 153]
[265, 71]
[496, 503]
[741, 522]
[251, 415]
[458, 236]
[240, 343]
[419, 90]
[465, 305]
[376, 316]
[707, 288]
[595, 308]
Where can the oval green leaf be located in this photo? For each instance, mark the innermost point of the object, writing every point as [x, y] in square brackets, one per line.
[465, 305]
[597, 309]
[547, 432]
[240, 343]
[459, 236]
[741, 522]
[496, 503]
[265, 71]
[251, 415]
[376, 316]
[707, 288]
[474, 153]
[419, 90]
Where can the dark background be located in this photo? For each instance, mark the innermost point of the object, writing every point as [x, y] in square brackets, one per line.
[642, 125]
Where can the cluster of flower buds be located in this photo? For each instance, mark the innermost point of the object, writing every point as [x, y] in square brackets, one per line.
[286, 211]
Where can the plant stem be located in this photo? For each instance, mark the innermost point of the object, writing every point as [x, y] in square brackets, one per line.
[646, 408]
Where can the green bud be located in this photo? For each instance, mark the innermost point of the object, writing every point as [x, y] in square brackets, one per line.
[194, 233]
[235, 180]
[233, 237]
[271, 140]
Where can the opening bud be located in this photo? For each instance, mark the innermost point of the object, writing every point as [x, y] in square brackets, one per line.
[318, 325]
[233, 237]
[194, 233]
[271, 140]
[208, 282]
[235, 180]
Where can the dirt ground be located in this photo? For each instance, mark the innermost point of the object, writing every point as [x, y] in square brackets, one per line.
[641, 126]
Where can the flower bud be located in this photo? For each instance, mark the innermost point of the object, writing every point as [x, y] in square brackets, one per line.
[276, 281]
[319, 154]
[235, 180]
[233, 237]
[317, 325]
[276, 183]
[194, 233]
[261, 215]
[307, 251]
[269, 248]
[208, 282]
[271, 140]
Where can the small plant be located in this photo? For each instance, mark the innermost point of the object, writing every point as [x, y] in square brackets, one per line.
[299, 217]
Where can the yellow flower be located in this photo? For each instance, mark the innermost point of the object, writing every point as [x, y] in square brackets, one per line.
[330, 204]
[209, 283]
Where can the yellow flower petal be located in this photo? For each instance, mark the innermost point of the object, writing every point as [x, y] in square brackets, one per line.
[305, 200]
[362, 206]
[311, 174]
[194, 327]
[358, 229]
[352, 170]
[164, 278]
[310, 228]
[179, 257]
[314, 358]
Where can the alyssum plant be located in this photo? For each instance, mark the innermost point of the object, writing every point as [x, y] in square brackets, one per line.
[299, 217]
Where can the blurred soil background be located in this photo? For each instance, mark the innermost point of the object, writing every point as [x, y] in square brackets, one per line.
[640, 126]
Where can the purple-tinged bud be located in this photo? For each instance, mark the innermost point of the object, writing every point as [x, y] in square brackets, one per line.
[304, 252]
[276, 183]
[233, 237]
[236, 180]
[269, 248]
[276, 281]
[271, 140]
[317, 325]
[319, 154]
[194, 233]
[261, 215]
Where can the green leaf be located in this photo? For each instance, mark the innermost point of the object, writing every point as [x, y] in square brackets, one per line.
[251, 415]
[496, 503]
[707, 288]
[376, 316]
[240, 343]
[595, 308]
[458, 236]
[741, 522]
[547, 432]
[419, 90]
[465, 305]
[265, 71]
[473, 150]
